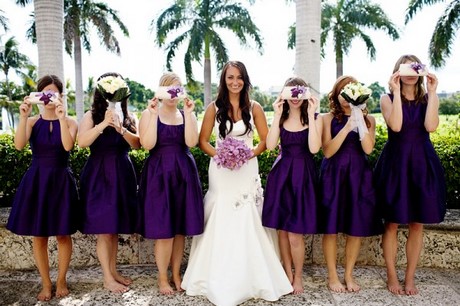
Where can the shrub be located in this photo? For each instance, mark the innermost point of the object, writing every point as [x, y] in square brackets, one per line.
[14, 163]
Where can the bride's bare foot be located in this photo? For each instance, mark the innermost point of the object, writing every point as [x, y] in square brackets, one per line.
[352, 286]
[164, 287]
[394, 286]
[335, 285]
[297, 285]
[45, 293]
[61, 289]
[122, 279]
[409, 287]
[115, 287]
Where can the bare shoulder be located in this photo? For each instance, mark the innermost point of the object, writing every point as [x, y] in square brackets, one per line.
[327, 117]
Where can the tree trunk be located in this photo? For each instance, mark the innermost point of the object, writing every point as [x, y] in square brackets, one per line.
[79, 106]
[308, 44]
[49, 18]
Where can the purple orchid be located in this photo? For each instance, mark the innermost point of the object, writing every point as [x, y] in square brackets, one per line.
[46, 96]
[174, 91]
[297, 91]
[232, 153]
[417, 67]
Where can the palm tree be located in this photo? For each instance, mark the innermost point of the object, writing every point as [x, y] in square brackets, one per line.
[445, 31]
[307, 41]
[202, 18]
[3, 21]
[347, 20]
[80, 16]
[11, 59]
[49, 17]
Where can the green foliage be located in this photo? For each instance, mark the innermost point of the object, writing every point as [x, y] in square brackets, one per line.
[13, 165]
[450, 106]
[139, 95]
[445, 141]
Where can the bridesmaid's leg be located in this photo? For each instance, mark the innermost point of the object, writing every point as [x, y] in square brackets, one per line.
[163, 252]
[298, 256]
[40, 248]
[285, 251]
[113, 264]
[351, 252]
[104, 253]
[414, 247]
[64, 244]
[390, 250]
[330, 254]
[176, 260]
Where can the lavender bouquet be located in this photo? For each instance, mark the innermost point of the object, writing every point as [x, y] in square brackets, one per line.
[232, 153]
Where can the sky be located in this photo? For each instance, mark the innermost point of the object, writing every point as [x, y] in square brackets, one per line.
[142, 61]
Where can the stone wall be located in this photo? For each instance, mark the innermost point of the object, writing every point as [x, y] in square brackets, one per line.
[441, 247]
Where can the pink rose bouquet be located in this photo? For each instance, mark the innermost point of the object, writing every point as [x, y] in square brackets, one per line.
[232, 153]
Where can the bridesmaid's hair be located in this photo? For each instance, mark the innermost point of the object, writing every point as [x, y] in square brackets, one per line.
[419, 88]
[334, 103]
[168, 78]
[100, 105]
[294, 81]
[224, 109]
[48, 80]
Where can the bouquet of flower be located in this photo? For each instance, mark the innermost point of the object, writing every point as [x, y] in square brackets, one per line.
[355, 93]
[232, 153]
[113, 89]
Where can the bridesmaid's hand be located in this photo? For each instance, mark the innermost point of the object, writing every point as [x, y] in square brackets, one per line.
[351, 124]
[153, 106]
[25, 108]
[394, 84]
[313, 104]
[59, 109]
[431, 82]
[278, 106]
[189, 105]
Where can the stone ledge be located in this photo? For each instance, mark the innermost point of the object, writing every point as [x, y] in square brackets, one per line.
[441, 247]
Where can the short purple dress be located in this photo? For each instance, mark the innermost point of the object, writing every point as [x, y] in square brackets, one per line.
[348, 199]
[290, 200]
[108, 187]
[46, 200]
[170, 194]
[409, 174]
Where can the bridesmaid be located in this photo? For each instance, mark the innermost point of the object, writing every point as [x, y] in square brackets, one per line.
[45, 203]
[409, 175]
[348, 197]
[290, 201]
[170, 193]
[108, 182]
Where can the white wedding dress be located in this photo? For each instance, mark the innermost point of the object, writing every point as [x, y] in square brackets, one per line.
[235, 259]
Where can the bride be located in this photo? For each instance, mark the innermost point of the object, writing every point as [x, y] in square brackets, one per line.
[235, 259]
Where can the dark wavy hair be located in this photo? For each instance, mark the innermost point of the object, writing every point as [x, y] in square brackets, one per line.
[294, 81]
[100, 105]
[48, 80]
[334, 103]
[224, 109]
[419, 88]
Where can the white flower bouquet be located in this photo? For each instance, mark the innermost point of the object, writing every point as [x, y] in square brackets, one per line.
[357, 94]
[114, 89]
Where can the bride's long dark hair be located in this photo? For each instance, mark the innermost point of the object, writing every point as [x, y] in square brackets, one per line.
[224, 109]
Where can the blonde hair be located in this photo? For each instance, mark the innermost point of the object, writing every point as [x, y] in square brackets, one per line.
[169, 78]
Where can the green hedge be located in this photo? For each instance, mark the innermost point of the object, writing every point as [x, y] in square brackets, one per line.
[14, 163]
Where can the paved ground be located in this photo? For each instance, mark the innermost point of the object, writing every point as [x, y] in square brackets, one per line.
[437, 287]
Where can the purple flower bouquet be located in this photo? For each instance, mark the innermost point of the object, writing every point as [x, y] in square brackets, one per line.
[232, 153]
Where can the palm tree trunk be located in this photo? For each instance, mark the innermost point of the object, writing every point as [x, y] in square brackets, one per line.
[308, 44]
[339, 60]
[49, 18]
[78, 78]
